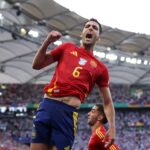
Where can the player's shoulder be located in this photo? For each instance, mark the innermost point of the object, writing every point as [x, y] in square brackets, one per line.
[102, 64]
[69, 44]
[100, 132]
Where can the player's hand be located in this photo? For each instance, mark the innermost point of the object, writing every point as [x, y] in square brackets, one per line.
[53, 36]
[110, 137]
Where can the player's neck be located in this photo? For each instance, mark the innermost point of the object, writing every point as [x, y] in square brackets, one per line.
[95, 126]
[87, 47]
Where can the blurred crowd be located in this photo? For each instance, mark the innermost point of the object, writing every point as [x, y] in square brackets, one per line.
[133, 125]
[137, 94]
[133, 131]
[21, 94]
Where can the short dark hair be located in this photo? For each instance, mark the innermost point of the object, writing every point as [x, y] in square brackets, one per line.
[95, 20]
[101, 111]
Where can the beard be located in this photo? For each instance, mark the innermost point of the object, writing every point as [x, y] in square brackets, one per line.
[92, 122]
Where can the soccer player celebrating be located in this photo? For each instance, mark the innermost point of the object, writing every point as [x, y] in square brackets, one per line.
[76, 73]
[97, 119]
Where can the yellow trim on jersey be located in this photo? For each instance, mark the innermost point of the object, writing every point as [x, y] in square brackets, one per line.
[99, 134]
[112, 147]
[51, 89]
[75, 119]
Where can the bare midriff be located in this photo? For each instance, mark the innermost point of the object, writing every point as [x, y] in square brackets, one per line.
[69, 100]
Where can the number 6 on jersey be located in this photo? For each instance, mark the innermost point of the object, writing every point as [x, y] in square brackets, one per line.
[76, 72]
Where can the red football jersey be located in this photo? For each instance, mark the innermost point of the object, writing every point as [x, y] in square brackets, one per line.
[96, 140]
[76, 72]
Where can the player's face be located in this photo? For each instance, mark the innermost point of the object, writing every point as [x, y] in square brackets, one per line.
[90, 33]
[93, 116]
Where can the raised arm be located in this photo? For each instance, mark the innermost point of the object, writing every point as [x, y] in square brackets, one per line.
[43, 58]
[110, 114]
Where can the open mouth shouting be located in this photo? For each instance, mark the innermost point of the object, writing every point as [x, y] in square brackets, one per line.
[88, 36]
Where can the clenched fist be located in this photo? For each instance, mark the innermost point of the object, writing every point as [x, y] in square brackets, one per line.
[53, 36]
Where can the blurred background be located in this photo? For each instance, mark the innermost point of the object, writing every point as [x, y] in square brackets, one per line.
[24, 24]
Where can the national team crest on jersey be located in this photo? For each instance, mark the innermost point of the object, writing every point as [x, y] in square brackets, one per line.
[82, 61]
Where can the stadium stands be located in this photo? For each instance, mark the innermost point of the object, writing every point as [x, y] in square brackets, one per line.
[18, 103]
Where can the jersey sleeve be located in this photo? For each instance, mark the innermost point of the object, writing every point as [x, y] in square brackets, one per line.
[101, 134]
[113, 147]
[58, 51]
[103, 80]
